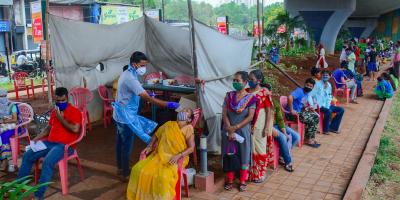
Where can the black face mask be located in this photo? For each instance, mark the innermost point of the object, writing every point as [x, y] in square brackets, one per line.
[307, 89]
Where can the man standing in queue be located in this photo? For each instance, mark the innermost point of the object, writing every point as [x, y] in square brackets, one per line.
[129, 122]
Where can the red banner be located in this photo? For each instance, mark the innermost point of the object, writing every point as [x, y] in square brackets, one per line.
[37, 23]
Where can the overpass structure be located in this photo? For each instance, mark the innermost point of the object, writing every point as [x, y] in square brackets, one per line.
[326, 17]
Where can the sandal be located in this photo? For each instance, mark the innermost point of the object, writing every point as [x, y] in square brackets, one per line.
[261, 180]
[228, 186]
[281, 161]
[242, 187]
[289, 168]
[314, 144]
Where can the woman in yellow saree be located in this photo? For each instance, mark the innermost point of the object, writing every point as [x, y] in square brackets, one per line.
[156, 176]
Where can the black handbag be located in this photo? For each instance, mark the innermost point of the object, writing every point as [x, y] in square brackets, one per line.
[231, 161]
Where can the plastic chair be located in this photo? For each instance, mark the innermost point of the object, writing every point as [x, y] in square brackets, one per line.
[181, 172]
[276, 153]
[321, 120]
[25, 117]
[20, 79]
[341, 90]
[300, 126]
[63, 163]
[185, 80]
[107, 108]
[154, 75]
[52, 83]
[81, 97]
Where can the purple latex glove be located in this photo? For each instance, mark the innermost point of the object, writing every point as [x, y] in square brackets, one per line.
[172, 105]
[152, 94]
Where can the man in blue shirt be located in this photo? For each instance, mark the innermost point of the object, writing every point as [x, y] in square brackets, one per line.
[129, 122]
[324, 99]
[298, 106]
[384, 89]
[341, 80]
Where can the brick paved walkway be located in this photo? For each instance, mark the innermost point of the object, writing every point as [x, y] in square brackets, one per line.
[319, 173]
[322, 173]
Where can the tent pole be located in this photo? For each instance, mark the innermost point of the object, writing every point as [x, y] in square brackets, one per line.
[143, 7]
[162, 10]
[284, 73]
[258, 26]
[262, 21]
[192, 36]
[47, 54]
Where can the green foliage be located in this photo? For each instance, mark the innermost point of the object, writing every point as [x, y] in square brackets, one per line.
[294, 69]
[9, 85]
[298, 52]
[19, 189]
[387, 158]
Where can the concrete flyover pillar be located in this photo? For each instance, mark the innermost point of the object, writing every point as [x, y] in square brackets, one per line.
[361, 27]
[324, 18]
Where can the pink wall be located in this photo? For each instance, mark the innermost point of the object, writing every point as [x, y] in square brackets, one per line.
[69, 12]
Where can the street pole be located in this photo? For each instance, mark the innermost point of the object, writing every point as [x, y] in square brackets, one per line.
[258, 26]
[162, 10]
[48, 54]
[262, 21]
[143, 7]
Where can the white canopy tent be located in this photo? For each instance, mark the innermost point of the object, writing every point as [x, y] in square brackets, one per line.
[78, 47]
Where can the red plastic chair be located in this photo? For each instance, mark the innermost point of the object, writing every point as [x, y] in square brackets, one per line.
[20, 79]
[63, 164]
[52, 83]
[300, 126]
[276, 153]
[344, 91]
[81, 97]
[154, 75]
[185, 80]
[107, 108]
[321, 120]
[25, 117]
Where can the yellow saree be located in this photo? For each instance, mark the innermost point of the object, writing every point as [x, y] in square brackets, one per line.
[154, 177]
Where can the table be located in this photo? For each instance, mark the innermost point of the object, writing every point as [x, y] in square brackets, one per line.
[160, 87]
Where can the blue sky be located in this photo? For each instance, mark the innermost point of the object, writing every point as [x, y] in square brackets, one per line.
[216, 2]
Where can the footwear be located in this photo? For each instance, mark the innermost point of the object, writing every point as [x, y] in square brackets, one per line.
[289, 168]
[228, 186]
[326, 133]
[332, 131]
[281, 161]
[261, 180]
[11, 168]
[242, 187]
[354, 102]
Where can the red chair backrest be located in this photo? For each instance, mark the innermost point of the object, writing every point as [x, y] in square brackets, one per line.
[20, 78]
[185, 80]
[81, 97]
[103, 93]
[154, 75]
[196, 116]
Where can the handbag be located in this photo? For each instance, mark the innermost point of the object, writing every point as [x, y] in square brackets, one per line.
[231, 161]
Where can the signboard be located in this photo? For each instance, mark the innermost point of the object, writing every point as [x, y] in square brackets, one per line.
[6, 2]
[257, 30]
[222, 24]
[119, 14]
[37, 23]
[155, 14]
[4, 26]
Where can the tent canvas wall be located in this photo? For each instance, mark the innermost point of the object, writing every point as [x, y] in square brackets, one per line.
[78, 47]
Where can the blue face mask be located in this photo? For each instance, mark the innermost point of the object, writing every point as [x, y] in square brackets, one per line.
[62, 106]
[253, 84]
[182, 116]
[325, 78]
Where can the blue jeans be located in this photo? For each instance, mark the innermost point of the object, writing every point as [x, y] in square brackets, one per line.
[52, 154]
[283, 142]
[335, 123]
[124, 146]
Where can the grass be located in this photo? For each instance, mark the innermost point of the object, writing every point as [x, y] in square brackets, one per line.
[9, 86]
[384, 181]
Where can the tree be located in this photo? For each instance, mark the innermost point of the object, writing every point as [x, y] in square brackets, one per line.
[289, 23]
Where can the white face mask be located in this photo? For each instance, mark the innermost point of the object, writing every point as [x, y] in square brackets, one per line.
[141, 70]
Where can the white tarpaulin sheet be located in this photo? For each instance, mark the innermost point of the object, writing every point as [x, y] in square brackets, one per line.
[78, 47]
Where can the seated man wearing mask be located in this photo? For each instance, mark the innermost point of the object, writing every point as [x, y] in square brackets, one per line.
[63, 128]
[298, 105]
[324, 99]
[129, 122]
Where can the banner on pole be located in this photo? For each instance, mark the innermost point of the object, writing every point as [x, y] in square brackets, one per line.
[37, 22]
[119, 14]
[222, 24]
[257, 30]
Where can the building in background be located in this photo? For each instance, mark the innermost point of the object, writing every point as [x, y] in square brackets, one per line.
[389, 26]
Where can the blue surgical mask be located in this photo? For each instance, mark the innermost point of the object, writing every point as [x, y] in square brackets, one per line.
[325, 78]
[253, 84]
[182, 116]
[62, 106]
